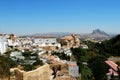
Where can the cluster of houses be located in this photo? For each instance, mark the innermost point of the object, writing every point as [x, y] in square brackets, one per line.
[49, 44]
[28, 43]
[41, 45]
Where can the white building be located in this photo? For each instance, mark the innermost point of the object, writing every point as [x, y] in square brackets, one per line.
[68, 52]
[16, 55]
[13, 41]
[43, 41]
[26, 40]
[3, 45]
[84, 46]
[7, 40]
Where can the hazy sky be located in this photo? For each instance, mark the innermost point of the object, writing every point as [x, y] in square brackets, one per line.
[41, 16]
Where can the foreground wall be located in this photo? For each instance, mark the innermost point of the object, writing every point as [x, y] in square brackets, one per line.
[41, 73]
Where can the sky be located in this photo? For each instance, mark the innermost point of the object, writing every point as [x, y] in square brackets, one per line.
[43, 16]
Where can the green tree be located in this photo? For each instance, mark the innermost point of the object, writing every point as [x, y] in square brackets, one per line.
[99, 67]
[29, 67]
[13, 63]
[86, 73]
[4, 68]
[38, 62]
[62, 55]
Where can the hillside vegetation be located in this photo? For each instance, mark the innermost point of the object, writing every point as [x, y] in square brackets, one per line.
[112, 46]
[93, 59]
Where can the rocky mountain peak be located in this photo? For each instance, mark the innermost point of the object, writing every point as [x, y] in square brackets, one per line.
[98, 31]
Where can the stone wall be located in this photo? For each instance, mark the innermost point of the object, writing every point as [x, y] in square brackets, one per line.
[41, 73]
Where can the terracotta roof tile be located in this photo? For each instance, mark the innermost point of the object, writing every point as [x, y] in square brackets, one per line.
[112, 65]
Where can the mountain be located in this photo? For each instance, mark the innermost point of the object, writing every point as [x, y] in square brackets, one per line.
[96, 34]
[99, 32]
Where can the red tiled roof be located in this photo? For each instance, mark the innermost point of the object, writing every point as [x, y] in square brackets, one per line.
[112, 65]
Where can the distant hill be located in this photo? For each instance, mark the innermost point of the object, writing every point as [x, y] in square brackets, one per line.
[97, 34]
[56, 34]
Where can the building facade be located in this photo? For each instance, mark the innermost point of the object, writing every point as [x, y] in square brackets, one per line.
[43, 41]
[3, 45]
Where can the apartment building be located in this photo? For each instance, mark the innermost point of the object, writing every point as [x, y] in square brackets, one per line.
[43, 41]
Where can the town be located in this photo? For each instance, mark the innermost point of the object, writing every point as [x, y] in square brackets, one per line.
[25, 51]
[59, 40]
[47, 57]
